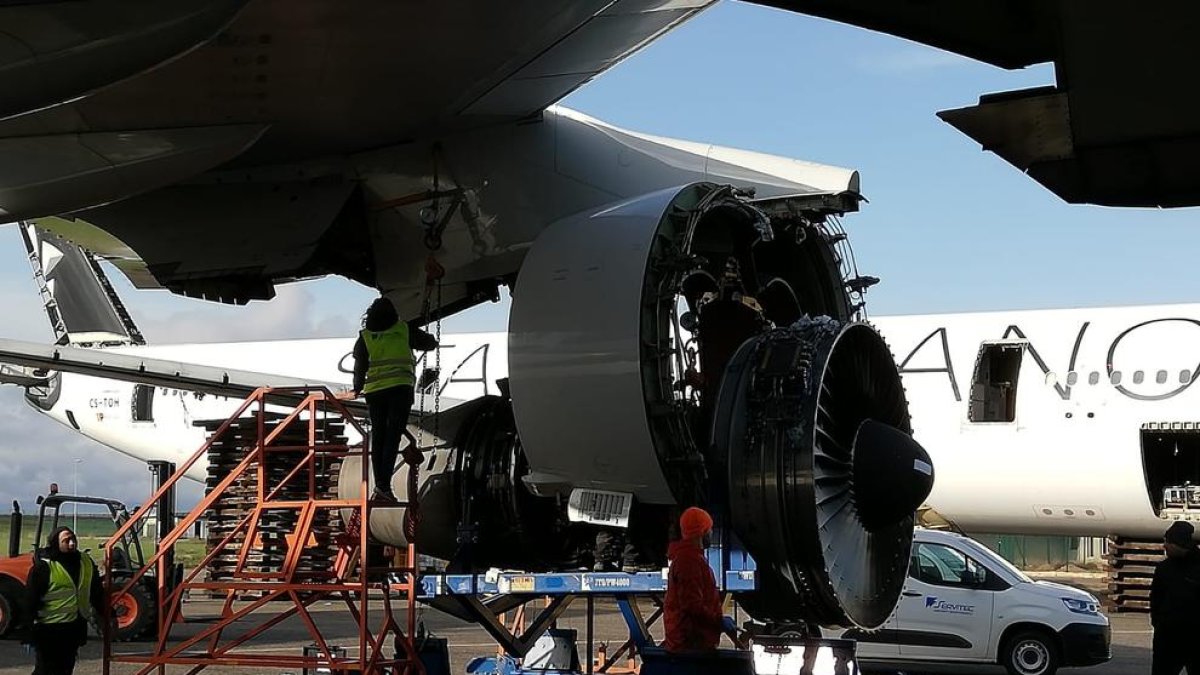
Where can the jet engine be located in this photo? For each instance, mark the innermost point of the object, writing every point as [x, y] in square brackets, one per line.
[694, 346]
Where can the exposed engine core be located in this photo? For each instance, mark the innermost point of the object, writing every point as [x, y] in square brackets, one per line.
[692, 346]
[823, 474]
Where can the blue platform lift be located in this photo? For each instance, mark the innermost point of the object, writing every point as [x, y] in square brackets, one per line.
[483, 598]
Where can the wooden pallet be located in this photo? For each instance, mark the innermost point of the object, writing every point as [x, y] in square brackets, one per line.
[1131, 566]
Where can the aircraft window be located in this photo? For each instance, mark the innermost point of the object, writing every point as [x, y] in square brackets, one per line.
[994, 388]
[1185, 376]
[1115, 378]
[1072, 378]
[143, 403]
[1161, 377]
[1093, 377]
[944, 566]
[1138, 376]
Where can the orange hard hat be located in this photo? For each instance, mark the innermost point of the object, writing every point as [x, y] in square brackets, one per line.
[695, 522]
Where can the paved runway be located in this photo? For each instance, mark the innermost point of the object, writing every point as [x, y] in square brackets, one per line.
[1131, 642]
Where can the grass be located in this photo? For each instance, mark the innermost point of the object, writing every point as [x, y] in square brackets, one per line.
[93, 532]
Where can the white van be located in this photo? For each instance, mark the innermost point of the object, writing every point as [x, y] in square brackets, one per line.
[963, 603]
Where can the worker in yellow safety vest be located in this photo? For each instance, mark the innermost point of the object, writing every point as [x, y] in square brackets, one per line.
[384, 373]
[63, 590]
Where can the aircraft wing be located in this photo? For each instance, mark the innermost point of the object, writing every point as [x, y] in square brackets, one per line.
[1119, 128]
[160, 92]
[173, 374]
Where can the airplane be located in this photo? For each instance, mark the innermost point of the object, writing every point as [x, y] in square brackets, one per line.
[217, 148]
[1068, 422]
[862, 415]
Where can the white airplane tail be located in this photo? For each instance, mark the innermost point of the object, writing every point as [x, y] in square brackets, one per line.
[83, 308]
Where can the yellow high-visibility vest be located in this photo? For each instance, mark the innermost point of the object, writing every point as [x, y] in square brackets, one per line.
[65, 601]
[391, 359]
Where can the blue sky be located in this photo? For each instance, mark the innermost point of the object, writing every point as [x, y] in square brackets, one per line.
[948, 227]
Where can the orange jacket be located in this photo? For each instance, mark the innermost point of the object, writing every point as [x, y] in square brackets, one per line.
[692, 610]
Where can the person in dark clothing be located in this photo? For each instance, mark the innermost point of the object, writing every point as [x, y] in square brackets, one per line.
[1175, 603]
[384, 373]
[692, 608]
[63, 589]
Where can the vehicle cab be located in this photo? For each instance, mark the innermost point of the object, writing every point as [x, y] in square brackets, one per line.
[964, 603]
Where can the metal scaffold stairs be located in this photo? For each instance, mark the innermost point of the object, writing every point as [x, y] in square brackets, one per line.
[272, 567]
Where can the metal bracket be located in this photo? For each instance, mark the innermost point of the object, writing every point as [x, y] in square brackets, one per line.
[488, 618]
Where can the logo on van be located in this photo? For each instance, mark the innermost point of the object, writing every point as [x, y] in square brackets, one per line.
[931, 602]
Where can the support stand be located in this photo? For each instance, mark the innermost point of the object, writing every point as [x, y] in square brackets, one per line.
[288, 462]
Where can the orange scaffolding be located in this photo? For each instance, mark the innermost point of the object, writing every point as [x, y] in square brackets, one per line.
[278, 466]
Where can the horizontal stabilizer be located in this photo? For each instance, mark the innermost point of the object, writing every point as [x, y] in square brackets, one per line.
[171, 374]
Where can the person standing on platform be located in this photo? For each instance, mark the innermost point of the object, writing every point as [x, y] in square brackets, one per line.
[384, 373]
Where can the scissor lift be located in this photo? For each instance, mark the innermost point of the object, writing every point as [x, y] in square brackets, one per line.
[484, 598]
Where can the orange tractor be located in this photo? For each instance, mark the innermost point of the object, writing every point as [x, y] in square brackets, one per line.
[134, 611]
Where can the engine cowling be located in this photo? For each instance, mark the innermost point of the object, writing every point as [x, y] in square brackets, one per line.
[693, 347]
[651, 343]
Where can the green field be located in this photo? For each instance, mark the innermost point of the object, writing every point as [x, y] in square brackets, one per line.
[93, 532]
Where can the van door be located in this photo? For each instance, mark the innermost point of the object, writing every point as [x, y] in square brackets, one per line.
[881, 644]
[945, 611]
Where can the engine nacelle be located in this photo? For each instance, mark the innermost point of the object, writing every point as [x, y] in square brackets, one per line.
[662, 347]
[691, 347]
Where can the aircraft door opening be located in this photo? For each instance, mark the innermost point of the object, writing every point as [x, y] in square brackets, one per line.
[143, 403]
[994, 385]
[1171, 462]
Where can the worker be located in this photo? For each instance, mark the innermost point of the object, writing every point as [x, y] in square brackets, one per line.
[384, 373]
[1175, 603]
[63, 590]
[692, 609]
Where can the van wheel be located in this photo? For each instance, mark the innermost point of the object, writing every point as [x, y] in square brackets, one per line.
[1030, 653]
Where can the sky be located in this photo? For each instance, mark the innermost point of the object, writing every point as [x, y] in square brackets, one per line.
[948, 227]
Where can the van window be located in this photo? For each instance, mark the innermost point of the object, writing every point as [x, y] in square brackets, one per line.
[994, 388]
[944, 566]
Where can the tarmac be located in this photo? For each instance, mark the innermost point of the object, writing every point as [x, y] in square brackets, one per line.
[1131, 642]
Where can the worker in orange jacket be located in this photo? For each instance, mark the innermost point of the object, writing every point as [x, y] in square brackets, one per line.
[692, 609]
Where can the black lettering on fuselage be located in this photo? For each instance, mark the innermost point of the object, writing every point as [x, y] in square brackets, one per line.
[1064, 391]
[1108, 364]
[947, 364]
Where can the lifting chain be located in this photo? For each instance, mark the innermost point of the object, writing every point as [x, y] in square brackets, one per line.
[413, 457]
[435, 223]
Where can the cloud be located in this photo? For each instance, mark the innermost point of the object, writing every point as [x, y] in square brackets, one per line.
[293, 313]
[36, 451]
